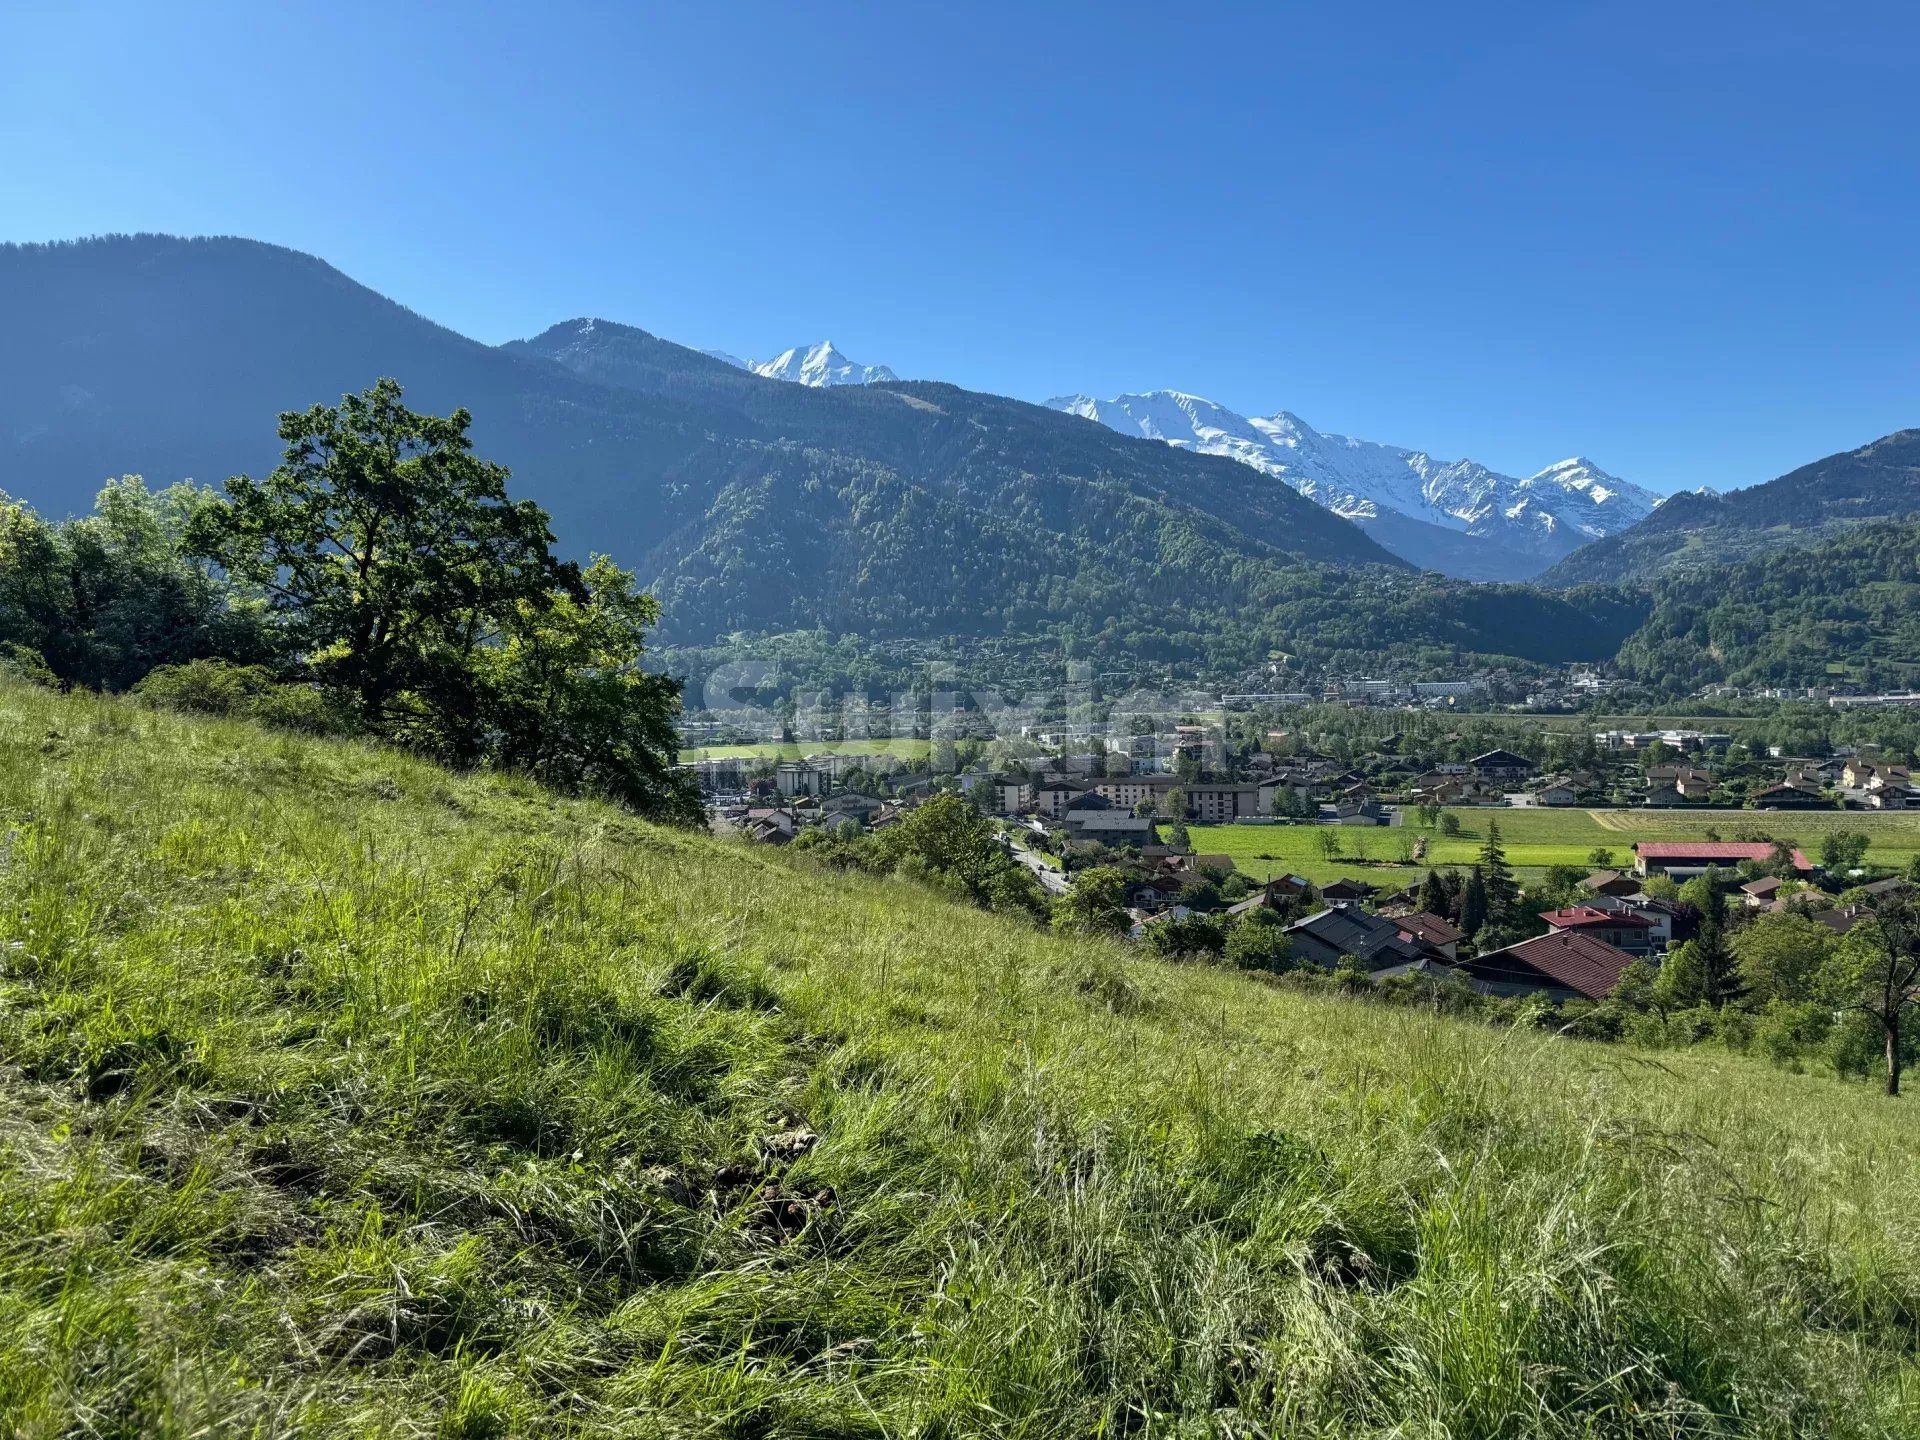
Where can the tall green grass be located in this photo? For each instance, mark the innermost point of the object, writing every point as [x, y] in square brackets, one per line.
[346, 1097]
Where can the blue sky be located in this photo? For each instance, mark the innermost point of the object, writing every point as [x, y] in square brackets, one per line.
[1681, 239]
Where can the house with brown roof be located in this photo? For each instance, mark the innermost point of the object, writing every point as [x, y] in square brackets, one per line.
[1865, 775]
[1435, 932]
[1501, 766]
[1566, 965]
[1348, 890]
[1892, 797]
[1790, 794]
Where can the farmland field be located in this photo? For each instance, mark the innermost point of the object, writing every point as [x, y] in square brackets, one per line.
[903, 749]
[1535, 839]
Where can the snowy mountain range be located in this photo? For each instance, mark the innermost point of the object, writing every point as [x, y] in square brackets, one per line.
[1455, 516]
[813, 365]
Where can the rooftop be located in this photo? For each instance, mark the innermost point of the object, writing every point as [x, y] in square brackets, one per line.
[1713, 851]
[1579, 917]
[1583, 964]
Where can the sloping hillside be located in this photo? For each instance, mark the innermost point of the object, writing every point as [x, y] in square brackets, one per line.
[342, 1096]
[1691, 532]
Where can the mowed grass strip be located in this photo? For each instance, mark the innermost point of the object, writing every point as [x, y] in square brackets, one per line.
[341, 1096]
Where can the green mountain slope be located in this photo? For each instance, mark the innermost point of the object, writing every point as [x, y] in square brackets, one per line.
[754, 504]
[1691, 532]
[346, 1097]
[1846, 609]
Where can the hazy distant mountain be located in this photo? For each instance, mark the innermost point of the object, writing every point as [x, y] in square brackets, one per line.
[1878, 481]
[1455, 516]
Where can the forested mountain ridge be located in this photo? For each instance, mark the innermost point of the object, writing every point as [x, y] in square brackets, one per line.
[749, 505]
[1845, 610]
[1878, 481]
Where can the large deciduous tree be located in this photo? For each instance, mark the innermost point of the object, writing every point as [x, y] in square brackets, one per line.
[388, 550]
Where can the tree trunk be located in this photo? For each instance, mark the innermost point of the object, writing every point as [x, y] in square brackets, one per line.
[1893, 1055]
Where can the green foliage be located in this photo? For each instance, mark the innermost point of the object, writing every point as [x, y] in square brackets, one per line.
[1874, 972]
[1185, 937]
[1259, 942]
[102, 600]
[1842, 850]
[947, 845]
[565, 699]
[1096, 905]
[1780, 957]
[390, 555]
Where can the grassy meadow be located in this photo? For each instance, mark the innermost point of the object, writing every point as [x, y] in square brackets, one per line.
[346, 1097]
[1537, 839]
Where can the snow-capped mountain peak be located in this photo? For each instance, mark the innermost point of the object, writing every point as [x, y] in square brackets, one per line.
[816, 365]
[821, 364]
[1522, 525]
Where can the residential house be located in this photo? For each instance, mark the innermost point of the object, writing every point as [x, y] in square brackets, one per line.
[1892, 797]
[1282, 892]
[1348, 891]
[1565, 965]
[1052, 796]
[1859, 774]
[1658, 914]
[1890, 888]
[1220, 803]
[1761, 893]
[1687, 858]
[1345, 930]
[718, 777]
[1501, 767]
[1842, 918]
[1678, 785]
[1358, 807]
[1435, 932]
[1622, 929]
[846, 805]
[1010, 796]
[769, 824]
[1555, 792]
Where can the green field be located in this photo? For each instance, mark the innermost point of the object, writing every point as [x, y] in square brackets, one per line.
[342, 1096]
[1536, 839]
[901, 749]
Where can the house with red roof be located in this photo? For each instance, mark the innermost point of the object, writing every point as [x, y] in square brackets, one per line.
[1564, 965]
[1622, 929]
[1684, 859]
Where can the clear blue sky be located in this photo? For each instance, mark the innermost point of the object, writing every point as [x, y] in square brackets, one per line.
[1683, 239]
